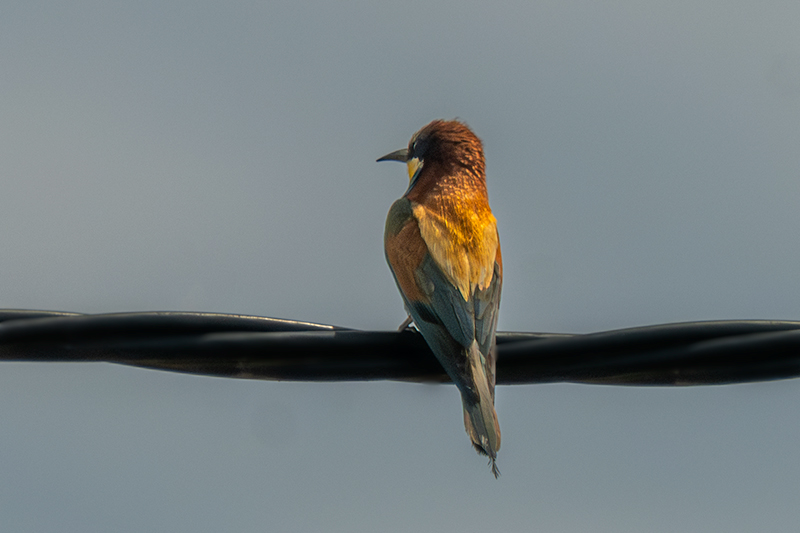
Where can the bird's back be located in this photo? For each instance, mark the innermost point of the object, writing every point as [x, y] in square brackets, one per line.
[442, 246]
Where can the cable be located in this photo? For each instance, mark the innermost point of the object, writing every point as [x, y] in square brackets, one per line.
[251, 347]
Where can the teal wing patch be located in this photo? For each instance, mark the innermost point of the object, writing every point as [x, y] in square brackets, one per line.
[399, 214]
[455, 314]
[451, 325]
[487, 302]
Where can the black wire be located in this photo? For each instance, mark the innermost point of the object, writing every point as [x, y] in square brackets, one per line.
[251, 347]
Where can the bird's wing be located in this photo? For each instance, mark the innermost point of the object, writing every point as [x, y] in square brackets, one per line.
[487, 303]
[449, 323]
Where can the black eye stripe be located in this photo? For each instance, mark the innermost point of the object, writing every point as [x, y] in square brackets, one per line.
[419, 146]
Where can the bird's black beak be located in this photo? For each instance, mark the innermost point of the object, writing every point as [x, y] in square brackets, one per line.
[398, 155]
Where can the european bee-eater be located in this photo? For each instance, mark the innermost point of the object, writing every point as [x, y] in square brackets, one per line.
[442, 246]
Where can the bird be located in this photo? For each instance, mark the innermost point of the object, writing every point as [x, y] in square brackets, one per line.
[443, 249]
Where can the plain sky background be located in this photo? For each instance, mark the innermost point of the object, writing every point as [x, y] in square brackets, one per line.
[643, 165]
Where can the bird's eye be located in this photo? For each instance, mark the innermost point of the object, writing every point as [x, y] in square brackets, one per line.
[418, 147]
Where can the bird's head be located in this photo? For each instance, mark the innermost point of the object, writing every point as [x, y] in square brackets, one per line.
[447, 144]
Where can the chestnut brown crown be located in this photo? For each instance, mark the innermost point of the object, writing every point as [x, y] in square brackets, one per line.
[451, 145]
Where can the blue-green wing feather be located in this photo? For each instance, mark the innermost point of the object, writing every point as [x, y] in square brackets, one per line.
[487, 303]
[450, 324]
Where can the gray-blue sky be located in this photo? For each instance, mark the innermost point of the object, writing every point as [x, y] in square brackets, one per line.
[219, 156]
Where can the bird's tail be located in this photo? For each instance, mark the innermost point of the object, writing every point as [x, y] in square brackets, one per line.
[480, 418]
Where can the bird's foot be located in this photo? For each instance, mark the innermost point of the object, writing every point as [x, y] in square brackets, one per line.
[406, 323]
